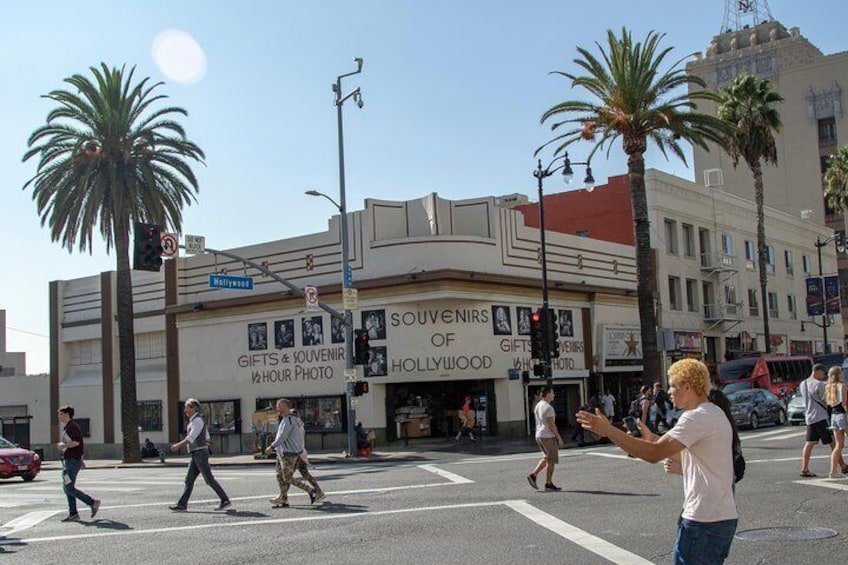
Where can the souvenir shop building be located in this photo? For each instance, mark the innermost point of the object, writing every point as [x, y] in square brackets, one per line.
[445, 290]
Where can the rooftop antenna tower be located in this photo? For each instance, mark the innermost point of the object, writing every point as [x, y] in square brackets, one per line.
[740, 14]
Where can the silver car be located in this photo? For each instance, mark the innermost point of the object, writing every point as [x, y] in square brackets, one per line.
[756, 406]
[795, 410]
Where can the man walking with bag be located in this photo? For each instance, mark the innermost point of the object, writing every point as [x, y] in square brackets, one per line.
[197, 440]
[289, 447]
[815, 416]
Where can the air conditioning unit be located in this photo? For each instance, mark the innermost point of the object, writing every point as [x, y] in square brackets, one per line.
[713, 178]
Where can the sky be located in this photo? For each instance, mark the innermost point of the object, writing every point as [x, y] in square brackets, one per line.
[453, 91]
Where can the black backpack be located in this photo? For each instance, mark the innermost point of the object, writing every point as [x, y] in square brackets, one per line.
[636, 407]
[738, 464]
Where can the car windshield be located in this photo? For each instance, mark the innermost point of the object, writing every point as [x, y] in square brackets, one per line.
[740, 397]
[732, 388]
[6, 444]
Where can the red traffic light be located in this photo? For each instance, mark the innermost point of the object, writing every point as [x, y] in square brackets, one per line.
[536, 317]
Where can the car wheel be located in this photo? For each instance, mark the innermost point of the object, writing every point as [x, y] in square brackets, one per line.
[781, 418]
[28, 478]
[755, 421]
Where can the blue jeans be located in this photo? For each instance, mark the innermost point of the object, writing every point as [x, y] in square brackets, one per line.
[703, 543]
[200, 466]
[70, 470]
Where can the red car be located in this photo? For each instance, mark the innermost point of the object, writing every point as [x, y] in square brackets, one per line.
[18, 462]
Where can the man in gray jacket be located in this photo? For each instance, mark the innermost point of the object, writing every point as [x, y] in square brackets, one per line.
[289, 447]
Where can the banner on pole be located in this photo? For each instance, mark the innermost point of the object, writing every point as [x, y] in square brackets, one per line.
[831, 294]
[815, 297]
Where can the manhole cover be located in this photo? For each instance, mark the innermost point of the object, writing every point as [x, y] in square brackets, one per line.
[786, 534]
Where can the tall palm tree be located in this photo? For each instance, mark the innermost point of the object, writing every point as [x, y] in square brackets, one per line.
[631, 98]
[836, 179]
[748, 105]
[106, 159]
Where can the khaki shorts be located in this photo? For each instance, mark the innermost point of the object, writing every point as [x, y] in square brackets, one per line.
[549, 447]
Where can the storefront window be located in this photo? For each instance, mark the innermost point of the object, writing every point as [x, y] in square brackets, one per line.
[150, 415]
[222, 416]
[319, 413]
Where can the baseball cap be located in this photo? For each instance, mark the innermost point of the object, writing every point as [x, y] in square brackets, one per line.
[819, 367]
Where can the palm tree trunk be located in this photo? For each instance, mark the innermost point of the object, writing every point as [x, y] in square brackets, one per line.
[762, 251]
[126, 345]
[644, 271]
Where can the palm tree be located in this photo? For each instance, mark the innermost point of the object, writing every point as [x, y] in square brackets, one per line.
[836, 179]
[108, 159]
[747, 105]
[631, 98]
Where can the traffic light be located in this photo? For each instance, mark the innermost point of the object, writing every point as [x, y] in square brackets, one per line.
[147, 251]
[538, 370]
[552, 333]
[361, 347]
[537, 344]
[360, 388]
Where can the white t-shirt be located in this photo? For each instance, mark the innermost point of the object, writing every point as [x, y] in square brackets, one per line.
[609, 405]
[707, 463]
[542, 412]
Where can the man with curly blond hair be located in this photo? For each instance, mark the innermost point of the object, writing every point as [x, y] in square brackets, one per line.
[699, 447]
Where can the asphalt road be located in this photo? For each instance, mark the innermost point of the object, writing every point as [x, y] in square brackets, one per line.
[453, 508]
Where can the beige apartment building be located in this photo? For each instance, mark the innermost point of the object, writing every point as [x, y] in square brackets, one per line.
[812, 115]
[445, 287]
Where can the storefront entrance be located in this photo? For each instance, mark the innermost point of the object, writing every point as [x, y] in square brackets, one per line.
[428, 409]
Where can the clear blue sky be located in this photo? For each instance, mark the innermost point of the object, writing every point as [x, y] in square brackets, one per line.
[453, 92]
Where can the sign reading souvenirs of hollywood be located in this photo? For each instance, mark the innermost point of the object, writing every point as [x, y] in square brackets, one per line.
[439, 340]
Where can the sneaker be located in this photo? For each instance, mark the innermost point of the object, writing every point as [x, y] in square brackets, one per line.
[278, 500]
[71, 518]
[281, 505]
[224, 505]
[532, 480]
[845, 470]
[552, 487]
[835, 475]
[320, 497]
[95, 506]
[311, 494]
[473, 438]
[177, 508]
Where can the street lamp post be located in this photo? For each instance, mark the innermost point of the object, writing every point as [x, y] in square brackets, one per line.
[826, 319]
[542, 173]
[347, 275]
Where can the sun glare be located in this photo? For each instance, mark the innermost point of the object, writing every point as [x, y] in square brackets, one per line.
[179, 56]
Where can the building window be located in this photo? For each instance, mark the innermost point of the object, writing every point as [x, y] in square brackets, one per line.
[827, 131]
[692, 295]
[770, 259]
[805, 264]
[790, 260]
[727, 244]
[791, 307]
[150, 415]
[730, 299]
[688, 240]
[221, 416]
[753, 304]
[84, 352]
[774, 311]
[671, 236]
[84, 426]
[674, 293]
[150, 345]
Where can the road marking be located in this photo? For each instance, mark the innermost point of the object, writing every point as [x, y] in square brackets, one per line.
[536, 455]
[784, 459]
[757, 435]
[788, 435]
[615, 456]
[577, 536]
[26, 521]
[453, 477]
[836, 484]
[253, 523]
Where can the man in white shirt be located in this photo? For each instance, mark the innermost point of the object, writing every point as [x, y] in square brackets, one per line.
[699, 447]
[548, 440]
[609, 405]
[197, 440]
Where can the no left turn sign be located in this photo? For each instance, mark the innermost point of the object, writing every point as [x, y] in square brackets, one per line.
[170, 244]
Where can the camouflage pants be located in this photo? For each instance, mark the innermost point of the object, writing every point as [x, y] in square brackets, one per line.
[286, 466]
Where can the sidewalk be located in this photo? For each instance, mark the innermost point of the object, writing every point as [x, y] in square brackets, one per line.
[422, 449]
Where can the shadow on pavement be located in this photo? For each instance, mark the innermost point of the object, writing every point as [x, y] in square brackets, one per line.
[246, 514]
[611, 493]
[337, 508]
[5, 543]
[102, 524]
